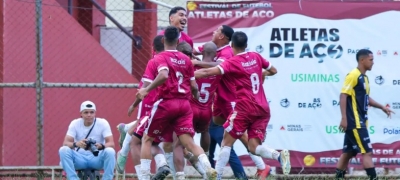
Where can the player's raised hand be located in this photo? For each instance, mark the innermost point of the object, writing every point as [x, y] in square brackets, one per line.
[388, 112]
[343, 125]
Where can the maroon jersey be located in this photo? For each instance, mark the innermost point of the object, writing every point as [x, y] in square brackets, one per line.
[245, 69]
[224, 91]
[180, 73]
[207, 87]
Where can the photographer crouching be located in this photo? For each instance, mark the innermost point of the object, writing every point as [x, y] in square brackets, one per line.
[88, 144]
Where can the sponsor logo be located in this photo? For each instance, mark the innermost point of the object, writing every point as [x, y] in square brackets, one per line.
[319, 43]
[355, 51]
[391, 130]
[379, 80]
[335, 129]
[249, 63]
[285, 103]
[335, 103]
[225, 11]
[309, 160]
[327, 78]
[316, 103]
[396, 82]
[270, 127]
[259, 48]
[393, 105]
[382, 52]
[295, 127]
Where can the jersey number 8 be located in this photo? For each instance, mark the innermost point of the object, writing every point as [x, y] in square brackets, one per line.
[255, 83]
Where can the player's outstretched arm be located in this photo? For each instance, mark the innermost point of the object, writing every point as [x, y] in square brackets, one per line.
[375, 104]
[203, 73]
[137, 100]
[205, 64]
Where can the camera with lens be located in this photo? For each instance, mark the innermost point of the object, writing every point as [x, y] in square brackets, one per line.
[91, 145]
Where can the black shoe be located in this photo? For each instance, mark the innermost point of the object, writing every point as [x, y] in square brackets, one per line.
[161, 173]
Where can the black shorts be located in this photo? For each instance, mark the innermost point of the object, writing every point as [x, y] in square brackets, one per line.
[357, 141]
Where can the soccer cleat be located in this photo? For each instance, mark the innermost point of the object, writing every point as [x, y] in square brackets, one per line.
[121, 162]
[180, 176]
[211, 173]
[161, 173]
[263, 174]
[285, 161]
[122, 133]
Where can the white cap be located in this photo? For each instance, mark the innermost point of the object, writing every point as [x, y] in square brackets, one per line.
[88, 105]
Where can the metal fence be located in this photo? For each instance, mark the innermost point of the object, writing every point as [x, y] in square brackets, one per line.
[56, 54]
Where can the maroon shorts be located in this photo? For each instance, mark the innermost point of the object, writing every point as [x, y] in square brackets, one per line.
[240, 122]
[170, 114]
[223, 109]
[201, 118]
[141, 127]
[144, 109]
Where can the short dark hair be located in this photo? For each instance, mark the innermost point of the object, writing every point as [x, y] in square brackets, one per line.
[362, 52]
[239, 40]
[175, 9]
[185, 48]
[171, 35]
[158, 46]
[227, 31]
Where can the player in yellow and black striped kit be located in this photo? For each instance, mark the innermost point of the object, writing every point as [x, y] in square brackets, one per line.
[354, 101]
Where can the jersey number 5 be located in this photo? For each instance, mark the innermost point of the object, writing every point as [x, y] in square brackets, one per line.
[203, 90]
[179, 75]
[255, 83]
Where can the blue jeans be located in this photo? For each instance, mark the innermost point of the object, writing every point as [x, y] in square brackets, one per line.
[216, 135]
[72, 161]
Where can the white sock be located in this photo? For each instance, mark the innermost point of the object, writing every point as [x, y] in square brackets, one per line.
[258, 161]
[203, 159]
[129, 125]
[137, 168]
[170, 160]
[160, 160]
[180, 175]
[145, 168]
[125, 145]
[267, 152]
[223, 159]
[196, 164]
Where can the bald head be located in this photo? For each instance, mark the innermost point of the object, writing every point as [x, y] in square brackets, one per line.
[209, 50]
[185, 48]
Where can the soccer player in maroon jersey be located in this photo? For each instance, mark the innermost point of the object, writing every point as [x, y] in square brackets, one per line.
[177, 17]
[251, 112]
[176, 84]
[136, 128]
[201, 107]
[224, 102]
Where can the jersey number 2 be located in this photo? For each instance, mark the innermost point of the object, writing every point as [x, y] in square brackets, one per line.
[255, 83]
[179, 75]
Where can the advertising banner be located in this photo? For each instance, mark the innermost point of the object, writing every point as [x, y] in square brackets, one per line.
[313, 45]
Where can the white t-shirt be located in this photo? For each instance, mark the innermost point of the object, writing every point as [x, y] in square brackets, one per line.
[78, 130]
